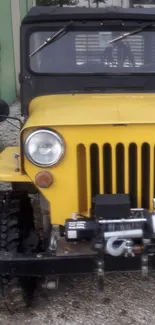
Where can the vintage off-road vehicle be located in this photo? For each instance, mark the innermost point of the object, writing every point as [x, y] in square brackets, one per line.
[87, 149]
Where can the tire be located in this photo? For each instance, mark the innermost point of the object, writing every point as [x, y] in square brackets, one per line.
[16, 227]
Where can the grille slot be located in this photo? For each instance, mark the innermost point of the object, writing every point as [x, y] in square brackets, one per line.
[107, 167]
[82, 178]
[120, 168]
[116, 168]
[132, 167]
[94, 161]
[145, 174]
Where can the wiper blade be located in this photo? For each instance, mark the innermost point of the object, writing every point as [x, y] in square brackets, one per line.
[135, 31]
[61, 32]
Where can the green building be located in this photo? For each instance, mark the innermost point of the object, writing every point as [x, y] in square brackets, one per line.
[11, 13]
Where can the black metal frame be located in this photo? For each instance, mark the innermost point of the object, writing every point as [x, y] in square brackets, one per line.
[64, 256]
[67, 258]
[33, 85]
[44, 265]
[74, 256]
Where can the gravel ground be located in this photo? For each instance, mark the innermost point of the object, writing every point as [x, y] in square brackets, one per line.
[127, 300]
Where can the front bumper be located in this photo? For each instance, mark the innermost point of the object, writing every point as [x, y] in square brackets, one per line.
[70, 258]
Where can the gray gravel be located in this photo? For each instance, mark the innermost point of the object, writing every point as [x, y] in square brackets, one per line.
[127, 299]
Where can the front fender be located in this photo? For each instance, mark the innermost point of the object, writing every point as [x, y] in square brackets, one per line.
[8, 171]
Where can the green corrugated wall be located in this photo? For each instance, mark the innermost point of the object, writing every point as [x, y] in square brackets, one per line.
[7, 63]
[25, 5]
[7, 70]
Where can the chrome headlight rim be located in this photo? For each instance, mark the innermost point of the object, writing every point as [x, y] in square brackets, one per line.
[51, 132]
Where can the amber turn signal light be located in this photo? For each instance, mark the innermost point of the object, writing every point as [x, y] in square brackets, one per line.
[43, 179]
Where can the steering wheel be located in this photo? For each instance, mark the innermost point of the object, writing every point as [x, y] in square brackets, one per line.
[123, 53]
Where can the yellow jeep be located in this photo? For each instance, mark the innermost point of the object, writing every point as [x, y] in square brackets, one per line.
[87, 149]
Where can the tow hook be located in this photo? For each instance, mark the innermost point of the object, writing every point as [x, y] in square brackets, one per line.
[125, 248]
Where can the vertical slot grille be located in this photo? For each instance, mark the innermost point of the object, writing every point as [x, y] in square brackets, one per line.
[133, 174]
[107, 166]
[145, 175]
[120, 168]
[94, 161]
[82, 178]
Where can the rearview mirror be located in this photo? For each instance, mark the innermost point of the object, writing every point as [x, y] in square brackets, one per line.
[4, 110]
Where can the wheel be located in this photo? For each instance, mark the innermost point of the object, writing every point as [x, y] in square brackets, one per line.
[17, 234]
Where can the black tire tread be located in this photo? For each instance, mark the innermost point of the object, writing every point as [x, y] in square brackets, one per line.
[13, 293]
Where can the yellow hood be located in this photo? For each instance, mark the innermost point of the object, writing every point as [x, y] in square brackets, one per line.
[89, 109]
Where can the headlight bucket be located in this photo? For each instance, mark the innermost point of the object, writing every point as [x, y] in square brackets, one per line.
[44, 148]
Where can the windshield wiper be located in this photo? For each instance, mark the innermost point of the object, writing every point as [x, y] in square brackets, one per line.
[61, 32]
[135, 31]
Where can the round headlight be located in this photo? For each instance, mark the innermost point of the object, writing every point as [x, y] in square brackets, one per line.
[44, 148]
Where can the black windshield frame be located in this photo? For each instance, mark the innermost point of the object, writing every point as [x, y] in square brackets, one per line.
[111, 26]
[35, 84]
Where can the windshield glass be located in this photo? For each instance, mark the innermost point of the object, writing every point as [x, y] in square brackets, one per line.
[93, 52]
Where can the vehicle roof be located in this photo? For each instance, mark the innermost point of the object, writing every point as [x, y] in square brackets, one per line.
[55, 13]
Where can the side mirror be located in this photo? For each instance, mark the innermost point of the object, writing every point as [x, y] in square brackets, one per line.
[4, 110]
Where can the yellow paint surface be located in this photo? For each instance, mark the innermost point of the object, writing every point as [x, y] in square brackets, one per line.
[88, 109]
[85, 119]
[7, 167]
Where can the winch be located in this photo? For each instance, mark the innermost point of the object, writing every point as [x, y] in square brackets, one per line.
[114, 227]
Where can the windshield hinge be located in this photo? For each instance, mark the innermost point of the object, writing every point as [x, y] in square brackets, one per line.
[23, 78]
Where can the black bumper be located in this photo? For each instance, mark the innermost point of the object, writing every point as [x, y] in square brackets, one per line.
[70, 258]
[45, 265]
